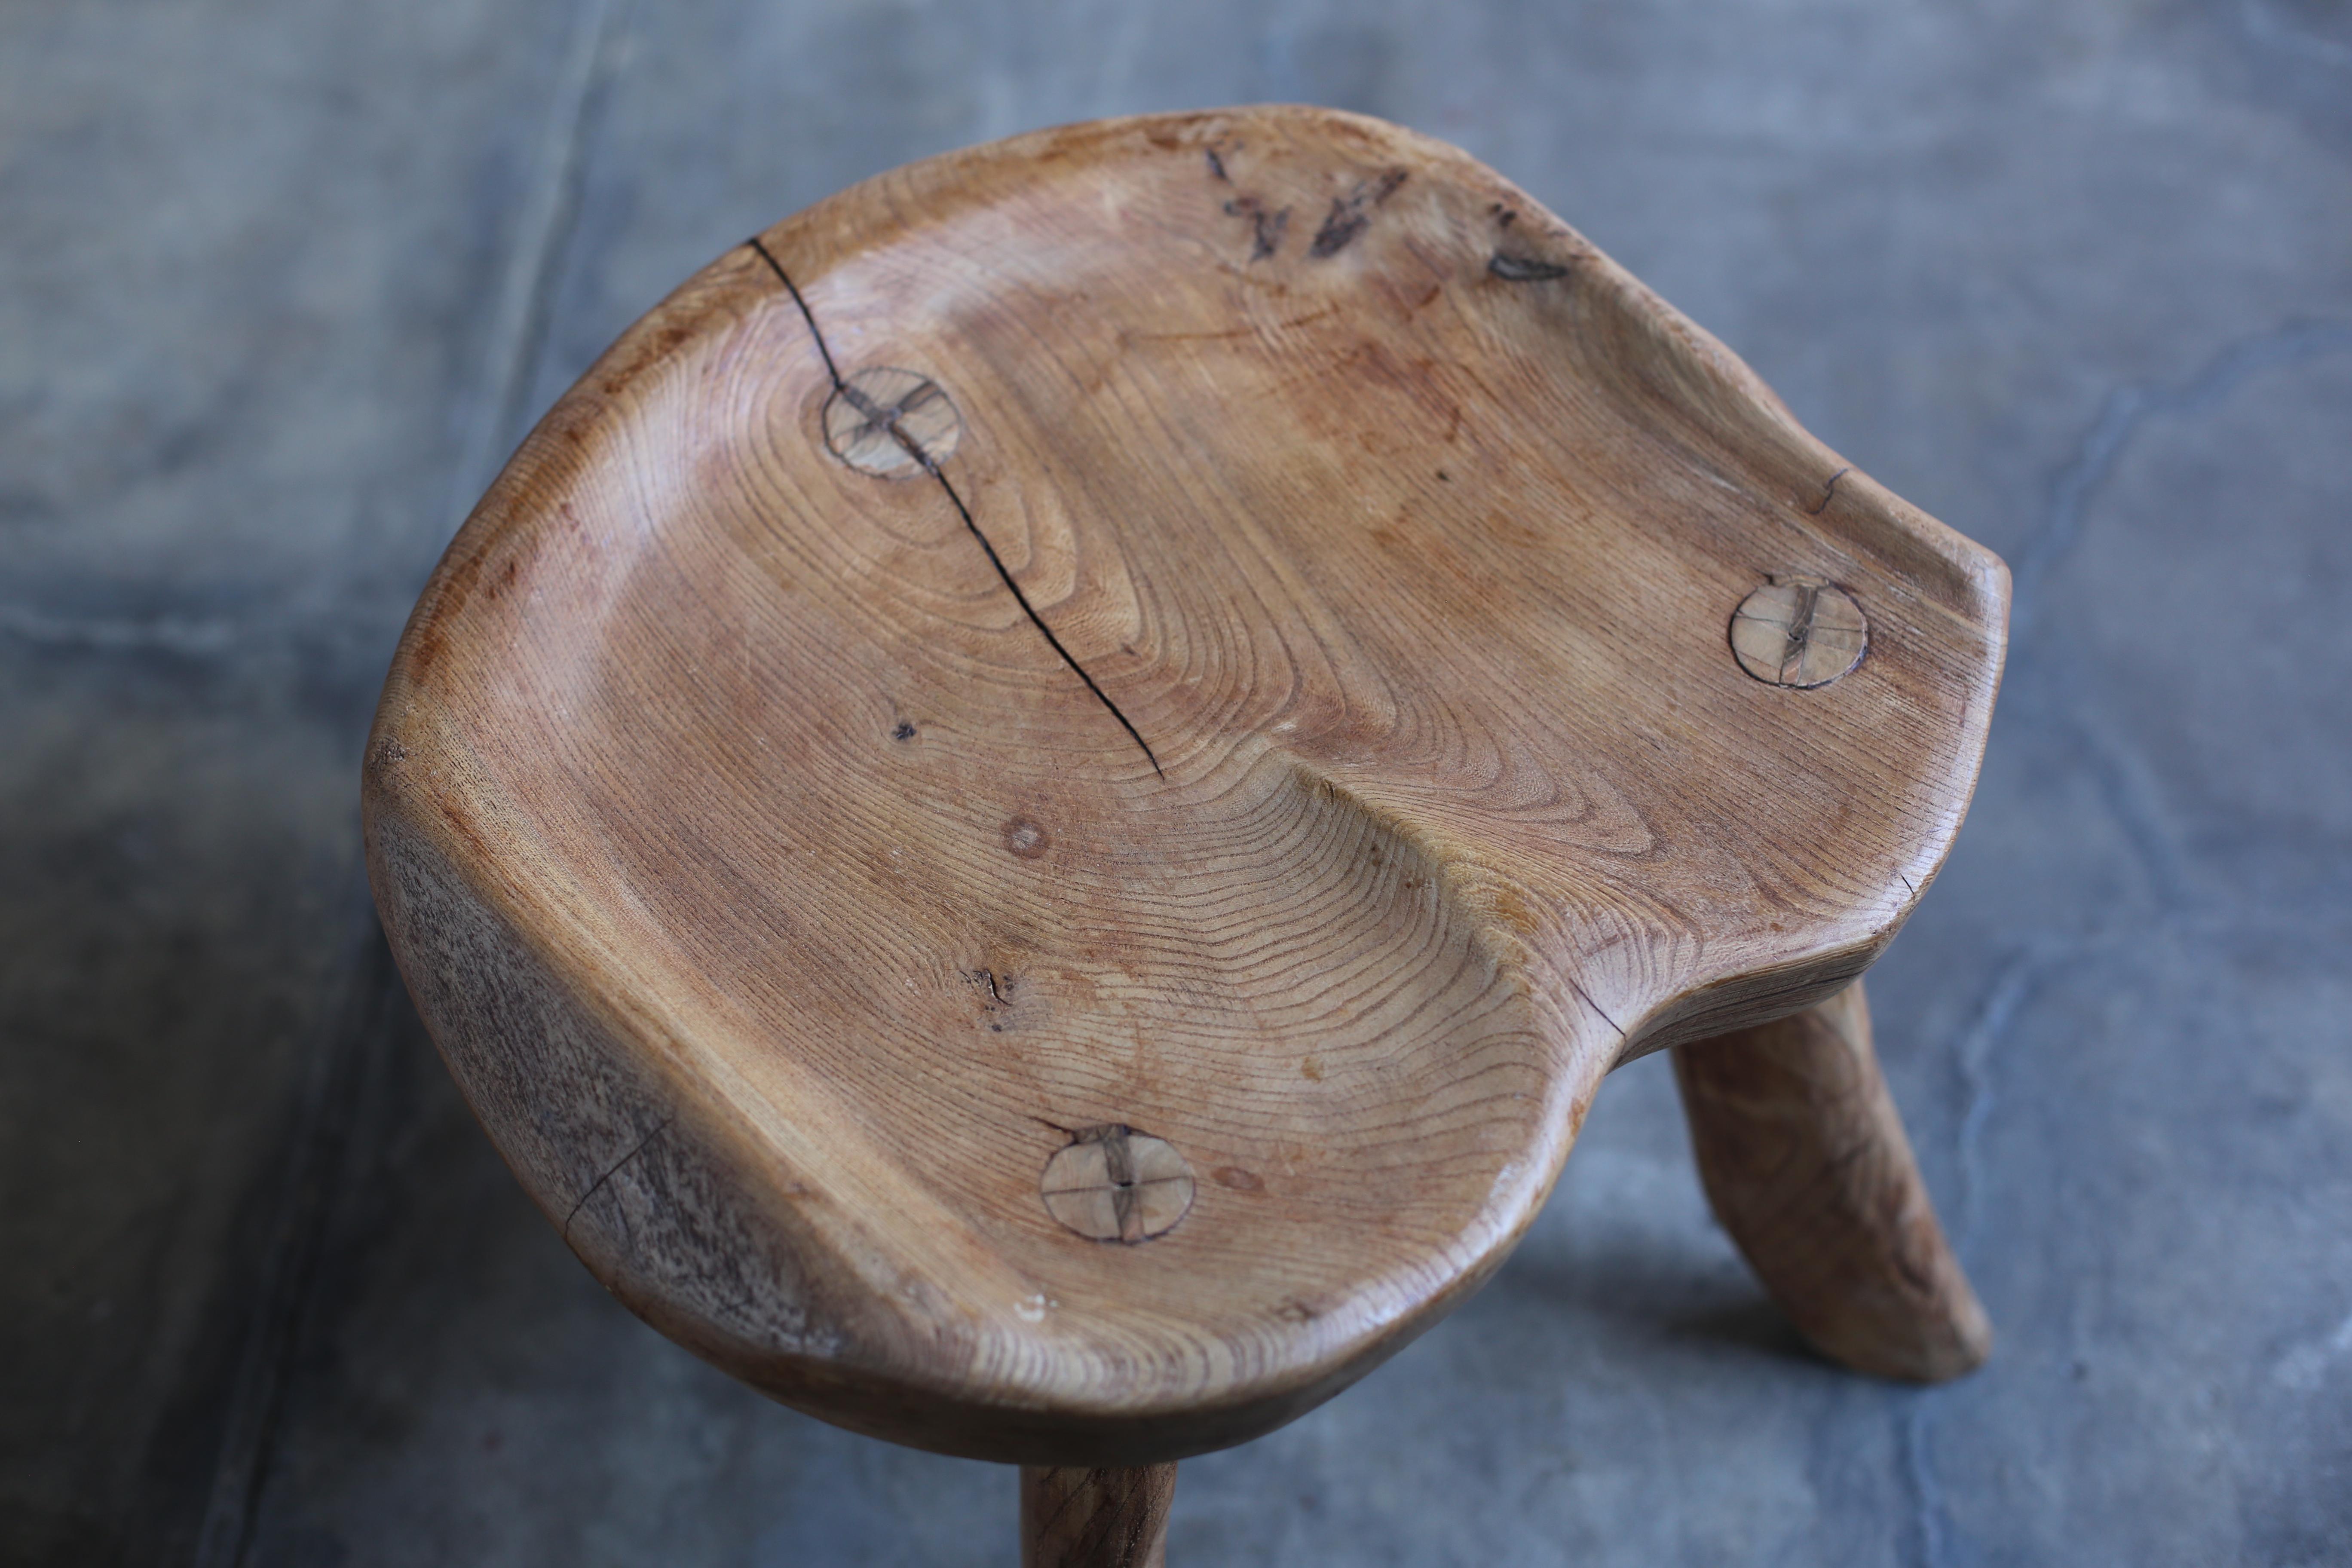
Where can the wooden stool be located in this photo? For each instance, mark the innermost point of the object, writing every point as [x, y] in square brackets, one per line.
[1033, 815]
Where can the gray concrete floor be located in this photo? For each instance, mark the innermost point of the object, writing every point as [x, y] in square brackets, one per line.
[281, 281]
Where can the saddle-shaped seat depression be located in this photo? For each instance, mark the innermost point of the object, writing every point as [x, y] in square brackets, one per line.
[1033, 814]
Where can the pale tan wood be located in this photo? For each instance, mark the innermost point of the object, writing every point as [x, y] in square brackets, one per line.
[1799, 632]
[1081, 1518]
[1260, 678]
[1804, 1158]
[1114, 1184]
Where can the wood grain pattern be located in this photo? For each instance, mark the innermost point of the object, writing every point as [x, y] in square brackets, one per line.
[1081, 1518]
[1803, 1157]
[1295, 719]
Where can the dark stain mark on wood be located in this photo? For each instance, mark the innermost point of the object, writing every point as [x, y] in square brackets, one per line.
[1269, 231]
[1524, 268]
[905, 731]
[1266, 228]
[1216, 165]
[389, 753]
[1352, 213]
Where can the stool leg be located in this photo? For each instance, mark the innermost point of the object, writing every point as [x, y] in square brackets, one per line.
[1804, 1158]
[1078, 1518]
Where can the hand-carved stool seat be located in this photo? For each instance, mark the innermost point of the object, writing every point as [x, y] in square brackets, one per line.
[1034, 813]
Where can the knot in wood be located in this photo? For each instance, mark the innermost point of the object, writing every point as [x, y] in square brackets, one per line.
[1114, 1184]
[1799, 632]
[893, 424]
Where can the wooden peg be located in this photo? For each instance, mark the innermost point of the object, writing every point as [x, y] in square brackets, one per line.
[1804, 1158]
[1077, 1518]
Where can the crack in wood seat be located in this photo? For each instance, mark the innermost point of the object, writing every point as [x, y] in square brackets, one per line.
[1196, 646]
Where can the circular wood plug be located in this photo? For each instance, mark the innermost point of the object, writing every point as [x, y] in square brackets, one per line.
[1114, 1184]
[893, 424]
[1799, 632]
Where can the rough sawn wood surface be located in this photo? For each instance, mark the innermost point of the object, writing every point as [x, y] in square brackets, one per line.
[1296, 723]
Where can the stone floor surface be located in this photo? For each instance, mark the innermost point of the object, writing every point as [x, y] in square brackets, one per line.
[282, 280]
